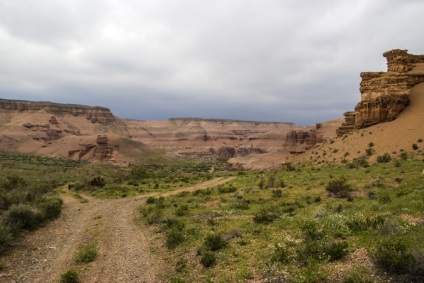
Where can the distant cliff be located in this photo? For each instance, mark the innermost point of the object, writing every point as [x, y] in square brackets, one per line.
[95, 114]
[385, 94]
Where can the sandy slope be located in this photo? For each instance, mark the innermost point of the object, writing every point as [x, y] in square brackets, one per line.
[389, 137]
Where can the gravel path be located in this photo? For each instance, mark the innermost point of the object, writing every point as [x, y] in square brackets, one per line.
[124, 250]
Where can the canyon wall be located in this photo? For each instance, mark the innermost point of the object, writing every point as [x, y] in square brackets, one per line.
[95, 114]
[385, 94]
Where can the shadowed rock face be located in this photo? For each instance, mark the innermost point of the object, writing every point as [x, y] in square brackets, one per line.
[385, 94]
[95, 114]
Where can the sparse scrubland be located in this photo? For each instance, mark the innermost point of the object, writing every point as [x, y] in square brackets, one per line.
[353, 222]
[337, 223]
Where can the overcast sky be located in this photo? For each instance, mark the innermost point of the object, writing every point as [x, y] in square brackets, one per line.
[266, 60]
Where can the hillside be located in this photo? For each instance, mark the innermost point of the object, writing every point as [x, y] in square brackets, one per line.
[388, 119]
[94, 133]
[395, 137]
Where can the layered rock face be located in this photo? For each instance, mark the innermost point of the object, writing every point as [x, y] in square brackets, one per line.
[95, 114]
[301, 140]
[102, 150]
[385, 94]
[211, 139]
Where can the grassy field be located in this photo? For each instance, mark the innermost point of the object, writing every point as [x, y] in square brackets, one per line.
[305, 224]
[337, 223]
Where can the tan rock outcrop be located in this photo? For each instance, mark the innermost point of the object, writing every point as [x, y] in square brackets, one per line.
[385, 94]
[301, 140]
[95, 114]
[102, 150]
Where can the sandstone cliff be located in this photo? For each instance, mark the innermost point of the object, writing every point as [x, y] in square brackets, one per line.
[211, 139]
[385, 94]
[95, 114]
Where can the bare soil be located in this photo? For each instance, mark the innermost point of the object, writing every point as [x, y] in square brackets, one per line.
[126, 253]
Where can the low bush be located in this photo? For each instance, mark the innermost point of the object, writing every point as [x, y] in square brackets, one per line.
[214, 242]
[70, 276]
[87, 254]
[175, 234]
[336, 250]
[5, 237]
[208, 259]
[385, 158]
[50, 207]
[183, 210]
[98, 181]
[23, 216]
[322, 250]
[311, 231]
[280, 254]
[226, 190]
[151, 200]
[339, 188]
[265, 216]
[277, 193]
[393, 255]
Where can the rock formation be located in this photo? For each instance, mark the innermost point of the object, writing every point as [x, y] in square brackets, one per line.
[385, 94]
[102, 150]
[95, 114]
[298, 141]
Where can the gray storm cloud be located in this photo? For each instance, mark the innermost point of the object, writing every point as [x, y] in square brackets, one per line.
[296, 61]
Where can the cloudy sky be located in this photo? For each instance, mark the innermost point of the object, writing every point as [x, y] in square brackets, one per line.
[267, 60]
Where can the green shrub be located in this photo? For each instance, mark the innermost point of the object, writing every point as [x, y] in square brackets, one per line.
[214, 242]
[311, 231]
[384, 158]
[362, 223]
[339, 188]
[51, 207]
[358, 275]
[336, 250]
[240, 204]
[23, 216]
[403, 155]
[175, 233]
[208, 259]
[414, 146]
[226, 190]
[5, 237]
[87, 254]
[174, 237]
[277, 193]
[183, 210]
[138, 173]
[70, 276]
[369, 151]
[98, 181]
[13, 182]
[280, 254]
[322, 250]
[265, 216]
[361, 162]
[392, 255]
[151, 200]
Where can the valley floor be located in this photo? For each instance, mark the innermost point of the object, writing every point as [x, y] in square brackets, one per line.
[124, 251]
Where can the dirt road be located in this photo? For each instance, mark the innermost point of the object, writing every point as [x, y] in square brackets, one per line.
[125, 253]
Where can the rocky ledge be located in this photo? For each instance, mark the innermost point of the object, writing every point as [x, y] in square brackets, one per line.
[95, 114]
[385, 94]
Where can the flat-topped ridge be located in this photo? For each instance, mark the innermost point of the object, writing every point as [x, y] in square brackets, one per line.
[96, 114]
